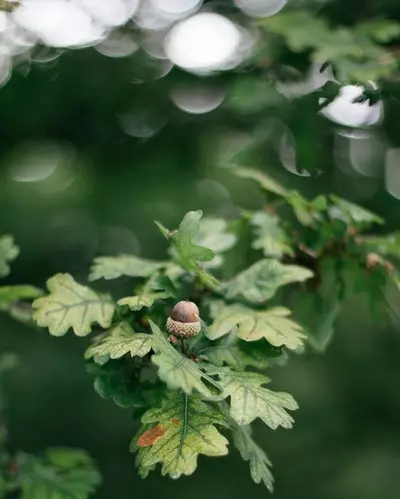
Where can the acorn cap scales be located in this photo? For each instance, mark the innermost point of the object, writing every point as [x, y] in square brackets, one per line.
[184, 320]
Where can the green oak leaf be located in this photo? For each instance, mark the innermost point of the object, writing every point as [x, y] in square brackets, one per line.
[259, 463]
[145, 299]
[250, 400]
[237, 353]
[59, 474]
[176, 370]
[8, 252]
[352, 214]
[176, 433]
[71, 305]
[116, 380]
[272, 324]
[270, 238]
[119, 341]
[261, 281]
[112, 267]
[185, 251]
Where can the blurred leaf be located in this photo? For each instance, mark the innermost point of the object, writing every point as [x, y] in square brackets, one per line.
[262, 179]
[352, 214]
[8, 252]
[387, 245]
[112, 267]
[71, 305]
[214, 234]
[352, 53]
[270, 238]
[187, 253]
[61, 474]
[250, 451]
[176, 433]
[252, 95]
[318, 317]
[8, 361]
[176, 370]
[249, 400]
[301, 29]
[261, 281]
[20, 292]
[119, 341]
[253, 325]
[381, 30]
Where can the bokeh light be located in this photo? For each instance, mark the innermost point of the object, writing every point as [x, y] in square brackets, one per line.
[260, 8]
[203, 43]
[197, 99]
[344, 111]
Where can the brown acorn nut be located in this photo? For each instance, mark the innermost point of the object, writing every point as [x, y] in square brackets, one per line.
[184, 320]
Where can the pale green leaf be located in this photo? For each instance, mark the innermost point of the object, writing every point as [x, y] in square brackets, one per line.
[352, 214]
[259, 463]
[176, 370]
[8, 252]
[19, 292]
[176, 433]
[265, 181]
[112, 267]
[262, 280]
[119, 341]
[144, 300]
[213, 233]
[71, 305]
[250, 400]
[272, 324]
[60, 474]
[270, 238]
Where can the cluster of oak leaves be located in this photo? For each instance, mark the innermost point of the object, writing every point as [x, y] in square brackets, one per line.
[191, 398]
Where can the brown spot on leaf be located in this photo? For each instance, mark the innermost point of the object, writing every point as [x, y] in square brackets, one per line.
[151, 436]
[175, 421]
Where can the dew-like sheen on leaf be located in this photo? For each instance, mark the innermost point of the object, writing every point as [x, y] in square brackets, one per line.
[261, 281]
[272, 324]
[249, 400]
[112, 267]
[176, 433]
[71, 305]
[176, 370]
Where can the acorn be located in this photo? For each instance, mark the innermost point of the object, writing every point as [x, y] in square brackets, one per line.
[184, 320]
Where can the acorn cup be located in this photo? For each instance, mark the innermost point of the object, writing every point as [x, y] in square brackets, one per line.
[184, 320]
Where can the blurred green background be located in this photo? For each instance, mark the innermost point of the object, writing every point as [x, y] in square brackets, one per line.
[92, 150]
